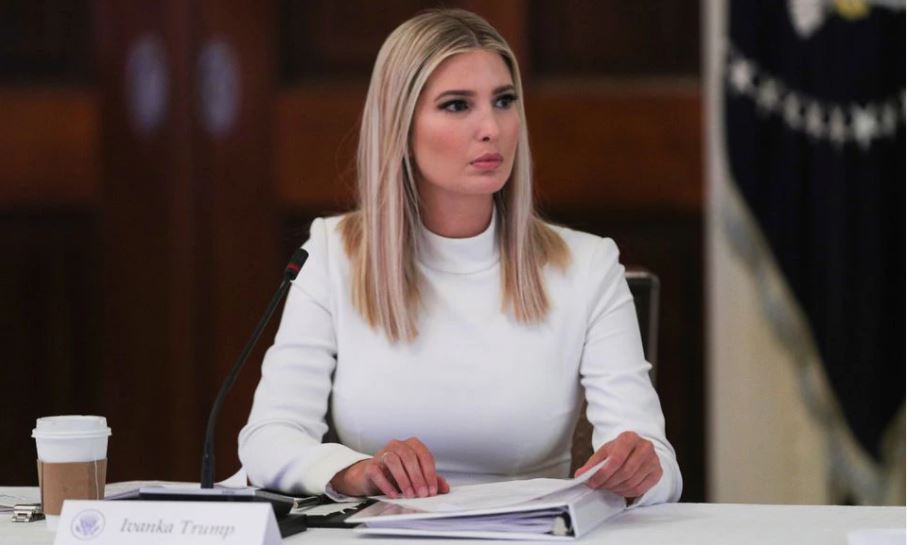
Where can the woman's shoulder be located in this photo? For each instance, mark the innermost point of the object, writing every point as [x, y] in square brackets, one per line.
[330, 225]
[586, 248]
[329, 234]
[595, 266]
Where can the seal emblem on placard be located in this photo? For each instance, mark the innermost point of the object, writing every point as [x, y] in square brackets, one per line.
[87, 524]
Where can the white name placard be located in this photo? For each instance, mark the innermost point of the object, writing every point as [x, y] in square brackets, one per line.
[166, 523]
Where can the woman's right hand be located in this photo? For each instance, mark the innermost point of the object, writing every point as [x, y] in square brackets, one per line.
[404, 468]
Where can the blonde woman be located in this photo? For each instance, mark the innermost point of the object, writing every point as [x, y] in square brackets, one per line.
[452, 330]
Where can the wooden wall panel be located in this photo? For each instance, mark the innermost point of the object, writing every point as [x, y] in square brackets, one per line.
[614, 37]
[50, 296]
[624, 147]
[612, 146]
[239, 267]
[50, 290]
[188, 232]
[149, 237]
[49, 147]
[323, 39]
[510, 18]
[327, 39]
[46, 41]
[316, 130]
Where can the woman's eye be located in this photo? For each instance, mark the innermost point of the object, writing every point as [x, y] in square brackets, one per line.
[454, 106]
[504, 101]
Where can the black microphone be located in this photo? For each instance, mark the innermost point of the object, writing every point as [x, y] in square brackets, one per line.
[281, 504]
[289, 274]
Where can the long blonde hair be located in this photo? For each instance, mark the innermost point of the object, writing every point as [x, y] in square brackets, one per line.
[381, 235]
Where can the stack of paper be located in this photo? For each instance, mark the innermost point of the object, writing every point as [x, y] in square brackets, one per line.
[542, 521]
[8, 502]
[530, 509]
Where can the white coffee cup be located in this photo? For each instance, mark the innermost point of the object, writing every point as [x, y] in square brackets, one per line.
[71, 439]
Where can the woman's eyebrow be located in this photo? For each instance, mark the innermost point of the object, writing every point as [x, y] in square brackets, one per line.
[468, 93]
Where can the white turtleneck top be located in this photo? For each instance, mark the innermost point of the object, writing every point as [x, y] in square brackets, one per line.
[493, 399]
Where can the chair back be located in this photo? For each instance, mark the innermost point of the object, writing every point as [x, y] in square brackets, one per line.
[645, 288]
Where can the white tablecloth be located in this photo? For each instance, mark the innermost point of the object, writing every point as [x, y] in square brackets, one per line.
[678, 524]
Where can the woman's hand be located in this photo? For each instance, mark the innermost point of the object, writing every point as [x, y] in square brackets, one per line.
[632, 467]
[400, 467]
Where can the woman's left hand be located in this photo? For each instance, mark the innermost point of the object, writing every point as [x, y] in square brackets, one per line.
[632, 467]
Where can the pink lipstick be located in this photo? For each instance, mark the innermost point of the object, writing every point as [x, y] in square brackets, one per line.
[489, 161]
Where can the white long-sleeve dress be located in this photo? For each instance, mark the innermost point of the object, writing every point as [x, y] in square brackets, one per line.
[491, 398]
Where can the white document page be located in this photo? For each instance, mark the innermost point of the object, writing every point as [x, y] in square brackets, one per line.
[8, 501]
[490, 495]
[127, 489]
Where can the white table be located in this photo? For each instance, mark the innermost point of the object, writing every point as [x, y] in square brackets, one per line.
[679, 524]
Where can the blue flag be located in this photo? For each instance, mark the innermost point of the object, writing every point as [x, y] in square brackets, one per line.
[814, 120]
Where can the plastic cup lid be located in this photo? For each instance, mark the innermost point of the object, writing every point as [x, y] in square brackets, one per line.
[71, 426]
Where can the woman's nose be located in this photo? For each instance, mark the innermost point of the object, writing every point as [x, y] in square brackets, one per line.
[488, 128]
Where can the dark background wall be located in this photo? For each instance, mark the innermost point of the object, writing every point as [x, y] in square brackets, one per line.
[140, 240]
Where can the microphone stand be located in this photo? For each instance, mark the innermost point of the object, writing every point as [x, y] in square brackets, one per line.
[289, 274]
[282, 504]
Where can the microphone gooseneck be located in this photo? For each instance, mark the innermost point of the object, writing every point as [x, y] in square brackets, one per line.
[289, 274]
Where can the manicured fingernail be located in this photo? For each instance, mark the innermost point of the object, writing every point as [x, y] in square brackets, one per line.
[409, 493]
[423, 491]
[434, 490]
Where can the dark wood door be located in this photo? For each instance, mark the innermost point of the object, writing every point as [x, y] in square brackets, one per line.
[141, 239]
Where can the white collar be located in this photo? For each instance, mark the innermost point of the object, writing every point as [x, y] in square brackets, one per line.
[460, 255]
